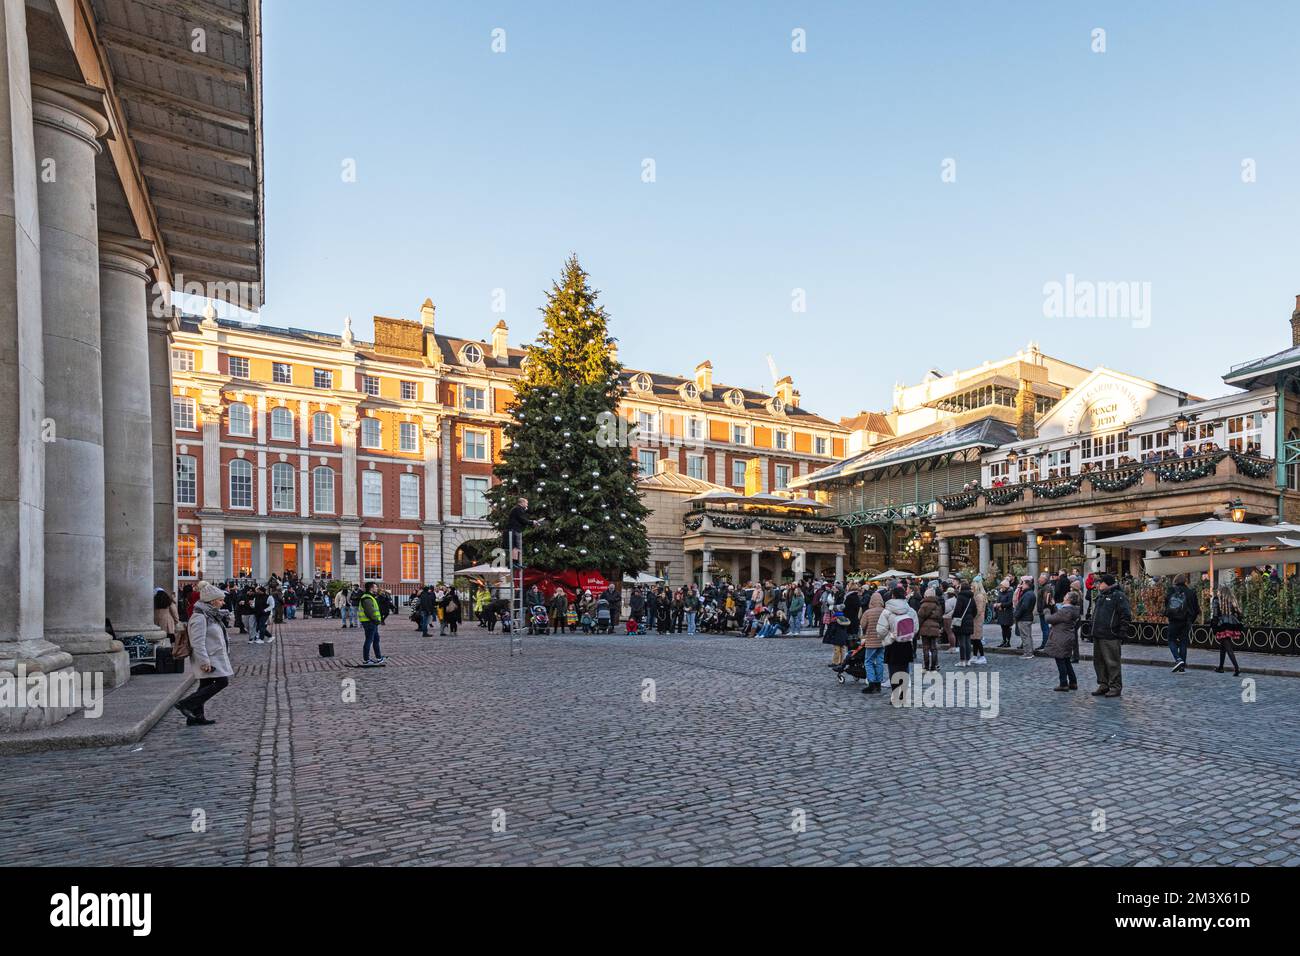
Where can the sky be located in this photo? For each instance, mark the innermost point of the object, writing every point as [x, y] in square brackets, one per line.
[897, 197]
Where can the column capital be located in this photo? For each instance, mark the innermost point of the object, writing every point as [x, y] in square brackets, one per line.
[132, 256]
[69, 106]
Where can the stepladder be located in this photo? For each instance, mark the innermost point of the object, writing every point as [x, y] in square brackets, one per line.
[518, 613]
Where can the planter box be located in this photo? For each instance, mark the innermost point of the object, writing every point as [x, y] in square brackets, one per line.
[1264, 640]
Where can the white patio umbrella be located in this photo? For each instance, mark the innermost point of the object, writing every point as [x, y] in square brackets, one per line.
[1212, 536]
[641, 577]
[483, 569]
[886, 575]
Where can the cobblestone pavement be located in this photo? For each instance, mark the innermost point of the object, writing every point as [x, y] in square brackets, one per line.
[744, 740]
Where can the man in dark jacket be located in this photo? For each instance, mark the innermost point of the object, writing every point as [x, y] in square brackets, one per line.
[1024, 615]
[427, 607]
[1110, 620]
[517, 521]
[1181, 610]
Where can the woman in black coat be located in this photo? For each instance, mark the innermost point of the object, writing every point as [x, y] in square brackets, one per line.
[1063, 639]
[1004, 611]
[451, 608]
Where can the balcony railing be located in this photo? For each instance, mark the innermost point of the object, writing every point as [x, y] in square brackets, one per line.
[740, 521]
[1113, 480]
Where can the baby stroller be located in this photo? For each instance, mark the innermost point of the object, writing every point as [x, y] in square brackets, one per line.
[602, 616]
[540, 622]
[855, 665]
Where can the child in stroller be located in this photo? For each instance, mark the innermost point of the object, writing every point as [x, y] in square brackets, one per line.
[855, 665]
[602, 616]
[540, 622]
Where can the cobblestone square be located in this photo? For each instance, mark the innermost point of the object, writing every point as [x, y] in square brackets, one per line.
[749, 753]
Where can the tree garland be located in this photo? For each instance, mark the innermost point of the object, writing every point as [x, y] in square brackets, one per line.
[961, 501]
[1006, 495]
[1175, 472]
[1057, 487]
[1120, 483]
[1252, 467]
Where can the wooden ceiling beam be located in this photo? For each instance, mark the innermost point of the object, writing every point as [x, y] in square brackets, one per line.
[170, 103]
[170, 55]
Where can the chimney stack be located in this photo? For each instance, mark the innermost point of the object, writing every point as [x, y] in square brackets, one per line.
[426, 314]
[500, 341]
[704, 378]
[1295, 323]
[1026, 409]
[666, 466]
[785, 391]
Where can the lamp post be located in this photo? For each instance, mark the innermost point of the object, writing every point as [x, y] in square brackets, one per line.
[1237, 510]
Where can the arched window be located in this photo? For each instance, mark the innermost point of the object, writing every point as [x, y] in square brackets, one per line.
[282, 486]
[282, 424]
[241, 483]
[322, 428]
[240, 420]
[322, 490]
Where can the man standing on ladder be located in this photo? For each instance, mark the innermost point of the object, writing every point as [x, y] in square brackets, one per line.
[516, 522]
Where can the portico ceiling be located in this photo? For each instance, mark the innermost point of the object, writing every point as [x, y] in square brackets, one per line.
[184, 77]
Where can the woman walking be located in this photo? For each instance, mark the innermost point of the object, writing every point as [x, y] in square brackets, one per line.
[1063, 619]
[1225, 623]
[962, 621]
[209, 654]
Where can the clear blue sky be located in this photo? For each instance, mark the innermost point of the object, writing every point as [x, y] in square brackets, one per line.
[777, 171]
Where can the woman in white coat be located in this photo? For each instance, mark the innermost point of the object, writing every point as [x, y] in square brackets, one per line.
[209, 654]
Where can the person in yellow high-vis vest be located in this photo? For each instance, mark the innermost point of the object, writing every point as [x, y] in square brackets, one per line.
[371, 618]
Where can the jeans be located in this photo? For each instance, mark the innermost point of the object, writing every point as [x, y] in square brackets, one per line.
[690, 622]
[349, 613]
[424, 623]
[209, 687]
[1065, 671]
[963, 645]
[1042, 628]
[1179, 636]
[262, 621]
[371, 630]
[875, 665]
[289, 610]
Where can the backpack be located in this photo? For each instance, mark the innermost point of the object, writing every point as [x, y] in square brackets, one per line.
[904, 627]
[1176, 606]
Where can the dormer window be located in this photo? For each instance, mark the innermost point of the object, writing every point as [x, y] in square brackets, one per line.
[777, 406]
[471, 354]
[641, 382]
[736, 398]
[690, 392]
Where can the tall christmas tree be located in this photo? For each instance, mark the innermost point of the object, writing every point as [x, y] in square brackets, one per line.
[565, 451]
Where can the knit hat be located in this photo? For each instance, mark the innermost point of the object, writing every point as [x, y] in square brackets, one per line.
[209, 593]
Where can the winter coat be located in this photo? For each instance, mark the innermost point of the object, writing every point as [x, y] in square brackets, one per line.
[1003, 607]
[887, 625]
[1191, 609]
[208, 642]
[1064, 634]
[930, 615]
[964, 613]
[164, 618]
[1025, 605]
[1111, 614]
[870, 618]
[981, 602]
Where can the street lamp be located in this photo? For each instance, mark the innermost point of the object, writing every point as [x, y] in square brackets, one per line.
[1237, 509]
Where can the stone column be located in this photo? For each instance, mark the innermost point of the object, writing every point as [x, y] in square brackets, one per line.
[348, 430]
[263, 570]
[754, 568]
[1090, 550]
[839, 567]
[23, 647]
[164, 452]
[306, 561]
[705, 576]
[128, 438]
[943, 559]
[986, 557]
[1031, 553]
[68, 124]
[1152, 524]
